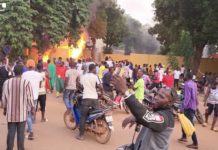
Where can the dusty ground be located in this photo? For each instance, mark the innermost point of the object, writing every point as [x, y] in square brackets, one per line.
[53, 135]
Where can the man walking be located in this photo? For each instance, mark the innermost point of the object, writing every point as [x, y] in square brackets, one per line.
[16, 103]
[189, 107]
[34, 78]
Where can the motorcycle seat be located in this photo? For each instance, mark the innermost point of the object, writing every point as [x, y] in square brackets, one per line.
[95, 111]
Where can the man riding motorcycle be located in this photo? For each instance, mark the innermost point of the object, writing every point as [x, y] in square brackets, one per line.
[157, 124]
[90, 97]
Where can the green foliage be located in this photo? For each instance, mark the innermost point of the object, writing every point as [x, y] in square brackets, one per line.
[172, 60]
[199, 18]
[58, 19]
[45, 21]
[184, 48]
[16, 26]
[116, 28]
[79, 17]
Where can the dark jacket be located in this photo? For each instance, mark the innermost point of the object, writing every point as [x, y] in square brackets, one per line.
[157, 126]
[106, 82]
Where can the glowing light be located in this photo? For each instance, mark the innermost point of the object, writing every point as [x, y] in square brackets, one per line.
[77, 50]
[45, 56]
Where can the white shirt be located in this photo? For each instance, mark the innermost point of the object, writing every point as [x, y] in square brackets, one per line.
[72, 75]
[183, 70]
[89, 82]
[161, 72]
[79, 66]
[177, 74]
[42, 89]
[110, 63]
[34, 78]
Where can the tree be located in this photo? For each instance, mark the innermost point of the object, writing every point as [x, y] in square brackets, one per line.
[199, 18]
[16, 26]
[58, 19]
[184, 48]
[172, 60]
[97, 27]
[45, 21]
[116, 27]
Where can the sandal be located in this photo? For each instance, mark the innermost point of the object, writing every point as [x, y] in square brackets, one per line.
[44, 120]
[214, 129]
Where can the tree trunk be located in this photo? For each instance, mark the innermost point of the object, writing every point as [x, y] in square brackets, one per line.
[197, 58]
[93, 51]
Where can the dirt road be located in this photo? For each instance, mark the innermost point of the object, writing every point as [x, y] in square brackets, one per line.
[53, 135]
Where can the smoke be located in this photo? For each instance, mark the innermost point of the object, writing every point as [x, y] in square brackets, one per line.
[138, 39]
[95, 5]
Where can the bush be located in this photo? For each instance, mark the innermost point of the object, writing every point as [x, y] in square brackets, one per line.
[172, 61]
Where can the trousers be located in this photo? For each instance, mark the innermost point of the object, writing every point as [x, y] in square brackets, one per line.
[84, 110]
[14, 127]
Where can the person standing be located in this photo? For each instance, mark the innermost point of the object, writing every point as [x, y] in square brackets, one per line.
[147, 82]
[90, 97]
[177, 74]
[211, 101]
[52, 74]
[157, 125]
[72, 77]
[108, 89]
[16, 103]
[79, 67]
[42, 93]
[34, 78]
[101, 70]
[168, 79]
[189, 107]
[139, 86]
[60, 78]
[4, 75]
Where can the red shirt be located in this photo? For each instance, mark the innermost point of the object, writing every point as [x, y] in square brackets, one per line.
[168, 80]
[60, 71]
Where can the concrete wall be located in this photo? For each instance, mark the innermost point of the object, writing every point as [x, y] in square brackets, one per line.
[207, 64]
[141, 59]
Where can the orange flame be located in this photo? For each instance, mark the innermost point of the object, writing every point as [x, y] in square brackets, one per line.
[77, 50]
[45, 56]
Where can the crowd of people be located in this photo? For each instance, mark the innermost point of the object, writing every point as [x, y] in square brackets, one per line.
[24, 85]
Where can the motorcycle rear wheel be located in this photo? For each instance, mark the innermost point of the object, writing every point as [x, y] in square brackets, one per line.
[104, 134]
[69, 120]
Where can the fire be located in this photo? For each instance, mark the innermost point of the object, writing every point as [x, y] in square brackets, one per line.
[45, 56]
[76, 52]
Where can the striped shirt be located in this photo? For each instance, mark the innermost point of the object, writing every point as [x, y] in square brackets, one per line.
[17, 98]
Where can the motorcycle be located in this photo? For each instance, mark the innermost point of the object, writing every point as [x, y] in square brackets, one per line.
[117, 102]
[98, 122]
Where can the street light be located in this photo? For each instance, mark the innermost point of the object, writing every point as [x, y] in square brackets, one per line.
[3, 6]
